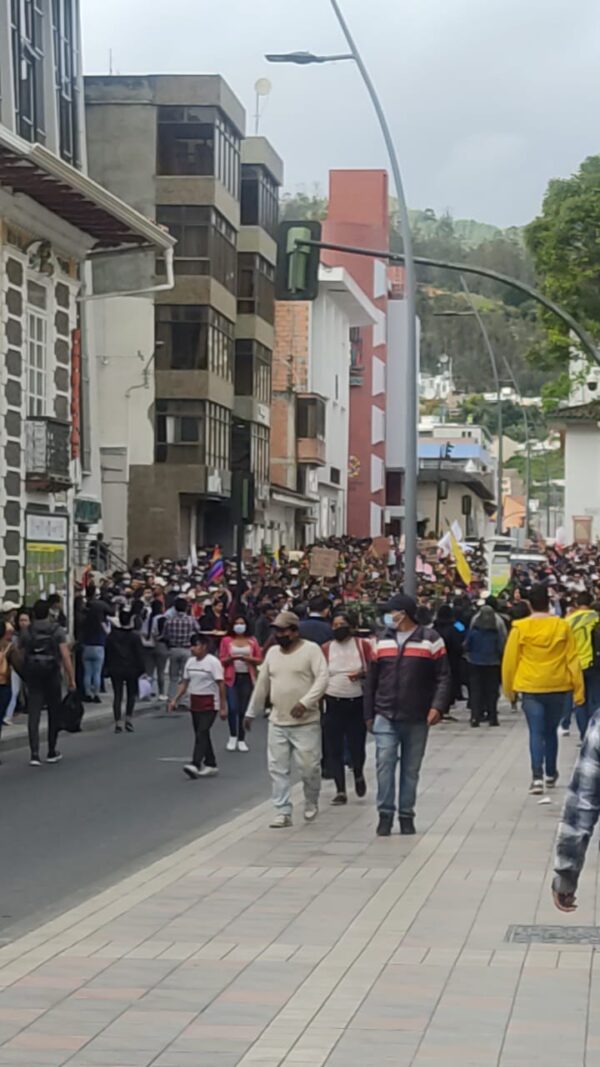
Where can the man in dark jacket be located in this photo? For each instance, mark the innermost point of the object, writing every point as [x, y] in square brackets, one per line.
[408, 689]
[317, 626]
[124, 666]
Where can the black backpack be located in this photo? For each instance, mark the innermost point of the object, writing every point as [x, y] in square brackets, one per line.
[42, 654]
[71, 713]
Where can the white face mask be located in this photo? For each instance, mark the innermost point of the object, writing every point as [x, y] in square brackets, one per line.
[239, 628]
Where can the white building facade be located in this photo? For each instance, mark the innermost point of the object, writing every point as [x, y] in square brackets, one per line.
[52, 219]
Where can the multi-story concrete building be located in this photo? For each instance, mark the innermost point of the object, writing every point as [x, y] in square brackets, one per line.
[52, 220]
[172, 428]
[311, 410]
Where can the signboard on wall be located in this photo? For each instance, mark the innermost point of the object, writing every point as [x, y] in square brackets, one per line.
[46, 557]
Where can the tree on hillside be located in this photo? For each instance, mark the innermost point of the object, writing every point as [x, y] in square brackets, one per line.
[303, 206]
[564, 242]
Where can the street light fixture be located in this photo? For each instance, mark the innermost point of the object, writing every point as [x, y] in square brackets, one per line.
[410, 293]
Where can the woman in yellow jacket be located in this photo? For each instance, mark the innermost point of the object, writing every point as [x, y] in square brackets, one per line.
[541, 662]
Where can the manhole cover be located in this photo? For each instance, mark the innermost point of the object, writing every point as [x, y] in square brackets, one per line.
[554, 935]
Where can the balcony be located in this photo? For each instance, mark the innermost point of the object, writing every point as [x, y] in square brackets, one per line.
[310, 429]
[47, 455]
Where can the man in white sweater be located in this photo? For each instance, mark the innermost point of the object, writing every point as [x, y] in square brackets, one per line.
[293, 678]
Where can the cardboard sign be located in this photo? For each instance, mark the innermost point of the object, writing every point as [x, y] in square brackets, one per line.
[323, 562]
[381, 547]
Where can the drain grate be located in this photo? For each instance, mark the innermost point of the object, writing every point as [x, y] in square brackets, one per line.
[553, 935]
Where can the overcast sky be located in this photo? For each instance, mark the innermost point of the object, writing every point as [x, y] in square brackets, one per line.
[487, 99]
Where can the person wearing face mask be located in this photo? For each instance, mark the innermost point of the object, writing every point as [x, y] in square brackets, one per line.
[240, 656]
[348, 658]
[293, 678]
[408, 689]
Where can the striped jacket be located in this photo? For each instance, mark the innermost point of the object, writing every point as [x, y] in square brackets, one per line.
[404, 683]
[580, 813]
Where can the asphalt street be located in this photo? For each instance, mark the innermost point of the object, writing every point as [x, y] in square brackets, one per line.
[114, 804]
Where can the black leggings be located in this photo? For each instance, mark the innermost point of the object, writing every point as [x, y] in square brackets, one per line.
[118, 685]
[203, 749]
[344, 721]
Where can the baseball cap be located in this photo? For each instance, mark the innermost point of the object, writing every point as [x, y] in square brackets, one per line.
[285, 619]
[400, 602]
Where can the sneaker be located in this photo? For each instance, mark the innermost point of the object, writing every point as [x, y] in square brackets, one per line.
[208, 772]
[279, 822]
[162, 696]
[407, 825]
[310, 812]
[96, 700]
[53, 757]
[130, 728]
[536, 788]
[551, 782]
[191, 770]
[118, 728]
[243, 747]
[384, 826]
[360, 786]
[232, 744]
[35, 761]
[339, 799]
[563, 731]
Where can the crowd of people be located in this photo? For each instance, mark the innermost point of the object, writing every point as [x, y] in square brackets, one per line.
[328, 658]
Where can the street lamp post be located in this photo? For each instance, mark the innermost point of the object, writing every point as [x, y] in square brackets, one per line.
[411, 462]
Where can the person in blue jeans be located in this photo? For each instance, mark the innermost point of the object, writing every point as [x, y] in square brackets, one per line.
[407, 689]
[541, 662]
[95, 630]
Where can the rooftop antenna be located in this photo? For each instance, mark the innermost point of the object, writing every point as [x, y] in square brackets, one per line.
[262, 88]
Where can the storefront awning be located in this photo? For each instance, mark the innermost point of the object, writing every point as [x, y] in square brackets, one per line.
[35, 172]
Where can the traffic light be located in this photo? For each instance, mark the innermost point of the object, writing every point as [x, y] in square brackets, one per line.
[443, 487]
[449, 450]
[242, 497]
[297, 274]
[466, 504]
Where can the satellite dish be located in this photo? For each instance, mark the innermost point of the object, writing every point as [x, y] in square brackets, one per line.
[262, 87]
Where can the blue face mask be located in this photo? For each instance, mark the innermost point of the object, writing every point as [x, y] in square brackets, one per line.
[388, 619]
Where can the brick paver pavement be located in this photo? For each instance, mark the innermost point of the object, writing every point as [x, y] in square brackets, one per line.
[324, 945]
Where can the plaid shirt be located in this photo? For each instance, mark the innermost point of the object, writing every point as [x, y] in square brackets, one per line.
[179, 629]
[580, 813]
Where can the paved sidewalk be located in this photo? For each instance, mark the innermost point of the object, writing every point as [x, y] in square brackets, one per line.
[323, 945]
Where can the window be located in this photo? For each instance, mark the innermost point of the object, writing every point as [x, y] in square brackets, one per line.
[260, 199]
[27, 28]
[66, 72]
[201, 141]
[180, 423]
[206, 243]
[253, 371]
[37, 326]
[310, 417]
[259, 452]
[256, 286]
[335, 476]
[218, 431]
[194, 337]
[393, 488]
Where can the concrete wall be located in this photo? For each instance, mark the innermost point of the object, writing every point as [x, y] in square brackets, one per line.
[582, 476]
[451, 510]
[329, 375]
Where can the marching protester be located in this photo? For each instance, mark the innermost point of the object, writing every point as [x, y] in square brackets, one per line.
[317, 627]
[407, 691]
[94, 631]
[5, 671]
[203, 679]
[293, 679]
[124, 664]
[240, 655]
[347, 659]
[46, 656]
[178, 631]
[584, 621]
[484, 646]
[541, 663]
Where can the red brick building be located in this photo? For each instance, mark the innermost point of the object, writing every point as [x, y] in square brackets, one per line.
[359, 215]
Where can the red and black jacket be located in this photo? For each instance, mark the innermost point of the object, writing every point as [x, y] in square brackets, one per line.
[403, 683]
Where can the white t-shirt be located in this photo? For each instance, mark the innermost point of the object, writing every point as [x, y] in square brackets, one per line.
[344, 659]
[202, 676]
